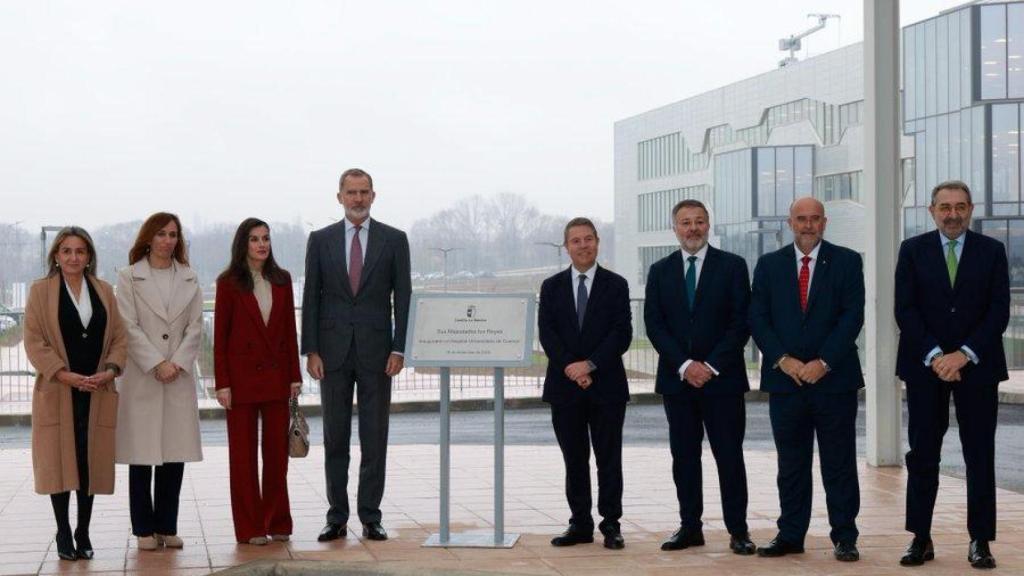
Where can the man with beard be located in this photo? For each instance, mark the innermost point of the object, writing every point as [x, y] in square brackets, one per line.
[585, 327]
[355, 269]
[952, 307]
[806, 310]
[696, 316]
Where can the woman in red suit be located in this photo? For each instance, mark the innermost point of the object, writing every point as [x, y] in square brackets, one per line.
[256, 364]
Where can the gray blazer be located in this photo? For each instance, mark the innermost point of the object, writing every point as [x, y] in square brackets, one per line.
[332, 316]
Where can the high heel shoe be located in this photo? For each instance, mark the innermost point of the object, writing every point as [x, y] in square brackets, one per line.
[66, 546]
[83, 546]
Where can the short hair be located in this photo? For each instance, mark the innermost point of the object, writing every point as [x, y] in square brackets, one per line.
[689, 203]
[150, 227]
[578, 221]
[951, 185]
[354, 173]
[65, 233]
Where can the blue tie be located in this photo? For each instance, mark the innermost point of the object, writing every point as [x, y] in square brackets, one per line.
[691, 280]
[581, 299]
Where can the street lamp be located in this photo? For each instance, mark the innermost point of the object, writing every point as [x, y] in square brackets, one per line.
[556, 246]
[445, 251]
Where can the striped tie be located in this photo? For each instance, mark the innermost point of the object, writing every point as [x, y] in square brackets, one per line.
[805, 282]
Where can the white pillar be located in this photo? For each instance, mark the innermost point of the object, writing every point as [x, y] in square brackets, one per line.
[883, 203]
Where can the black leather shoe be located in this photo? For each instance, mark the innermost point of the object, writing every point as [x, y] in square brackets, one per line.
[83, 546]
[65, 546]
[920, 551]
[979, 555]
[777, 548]
[846, 552]
[742, 545]
[683, 538]
[573, 535]
[374, 531]
[332, 532]
[613, 540]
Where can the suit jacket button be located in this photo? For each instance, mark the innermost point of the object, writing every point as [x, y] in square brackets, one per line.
[165, 336]
[85, 334]
[953, 309]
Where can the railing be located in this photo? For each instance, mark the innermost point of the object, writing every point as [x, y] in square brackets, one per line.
[17, 375]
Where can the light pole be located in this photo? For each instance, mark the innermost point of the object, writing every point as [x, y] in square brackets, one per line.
[444, 252]
[556, 246]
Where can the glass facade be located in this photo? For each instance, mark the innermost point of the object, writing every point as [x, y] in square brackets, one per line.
[655, 208]
[783, 174]
[844, 186]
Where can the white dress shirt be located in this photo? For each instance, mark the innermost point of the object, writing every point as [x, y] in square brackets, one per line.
[84, 303]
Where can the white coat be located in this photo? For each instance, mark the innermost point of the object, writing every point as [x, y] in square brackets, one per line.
[157, 422]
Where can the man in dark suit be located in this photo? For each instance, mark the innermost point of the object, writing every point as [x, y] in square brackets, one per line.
[585, 327]
[355, 269]
[952, 307]
[696, 318]
[806, 310]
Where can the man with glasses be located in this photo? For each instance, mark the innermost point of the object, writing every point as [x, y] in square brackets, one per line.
[952, 307]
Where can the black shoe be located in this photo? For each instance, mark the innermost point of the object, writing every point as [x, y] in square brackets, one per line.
[846, 552]
[742, 544]
[83, 546]
[65, 546]
[374, 531]
[979, 555]
[613, 539]
[574, 535]
[332, 531]
[777, 548]
[683, 538]
[920, 551]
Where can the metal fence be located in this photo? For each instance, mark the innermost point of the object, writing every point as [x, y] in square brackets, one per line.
[17, 375]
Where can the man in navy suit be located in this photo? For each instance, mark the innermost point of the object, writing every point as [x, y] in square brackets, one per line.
[585, 327]
[806, 310]
[696, 318]
[952, 307]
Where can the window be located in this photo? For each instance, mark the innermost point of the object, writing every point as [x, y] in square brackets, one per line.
[655, 208]
[993, 52]
[783, 173]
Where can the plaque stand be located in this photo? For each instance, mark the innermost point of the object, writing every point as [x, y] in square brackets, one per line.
[473, 539]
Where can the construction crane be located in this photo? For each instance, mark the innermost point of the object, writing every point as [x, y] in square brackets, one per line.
[793, 42]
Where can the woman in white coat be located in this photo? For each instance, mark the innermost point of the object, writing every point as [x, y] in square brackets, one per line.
[162, 305]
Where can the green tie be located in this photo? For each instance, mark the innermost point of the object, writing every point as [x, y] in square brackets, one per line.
[951, 262]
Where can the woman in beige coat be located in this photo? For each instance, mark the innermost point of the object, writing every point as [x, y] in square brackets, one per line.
[162, 307]
[76, 343]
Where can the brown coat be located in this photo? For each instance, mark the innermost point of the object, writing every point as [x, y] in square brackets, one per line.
[53, 435]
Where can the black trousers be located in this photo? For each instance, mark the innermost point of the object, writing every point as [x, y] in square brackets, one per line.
[61, 502]
[796, 419]
[577, 426]
[977, 406]
[724, 417]
[154, 508]
[373, 391]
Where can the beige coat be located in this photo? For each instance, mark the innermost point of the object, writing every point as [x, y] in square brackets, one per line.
[53, 430]
[158, 422]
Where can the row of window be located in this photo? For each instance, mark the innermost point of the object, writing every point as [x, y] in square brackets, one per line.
[655, 208]
[937, 65]
[783, 173]
[950, 146]
[845, 186]
[669, 154]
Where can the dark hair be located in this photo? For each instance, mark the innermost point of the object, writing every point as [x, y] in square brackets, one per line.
[150, 227]
[689, 203]
[238, 270]
[354, 173]
[578, 221]
[951, 185]
[65, 233]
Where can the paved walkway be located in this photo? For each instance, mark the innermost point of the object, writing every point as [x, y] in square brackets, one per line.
[535, 507]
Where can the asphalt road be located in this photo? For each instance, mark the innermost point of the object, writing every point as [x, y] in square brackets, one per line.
[645, 426]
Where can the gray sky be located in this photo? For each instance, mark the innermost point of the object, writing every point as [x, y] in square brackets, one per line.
[220, 110]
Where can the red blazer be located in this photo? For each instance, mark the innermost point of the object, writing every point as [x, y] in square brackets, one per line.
[257, 361]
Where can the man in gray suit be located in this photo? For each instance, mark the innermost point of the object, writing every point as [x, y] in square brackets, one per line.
[357, 272]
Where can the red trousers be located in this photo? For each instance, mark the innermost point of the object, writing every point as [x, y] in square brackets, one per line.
[256, 512]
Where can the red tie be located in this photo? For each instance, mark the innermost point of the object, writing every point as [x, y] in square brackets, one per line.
[805, 281]
[355, 262]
